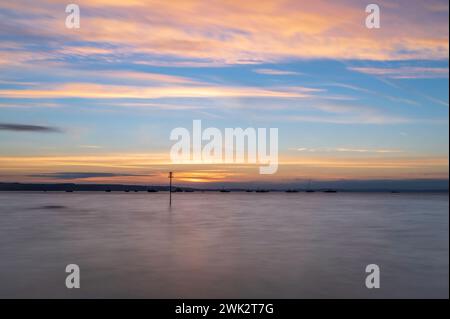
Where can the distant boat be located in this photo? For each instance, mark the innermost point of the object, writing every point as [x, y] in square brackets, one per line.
[249, 191]
[69, 191]
[330, 191]
[395, 192]
[152, 190]
[108, 191]
[291, 191]
[127, 191]
[224, 191]
[189, 190]
[136, 191]
[262, 191]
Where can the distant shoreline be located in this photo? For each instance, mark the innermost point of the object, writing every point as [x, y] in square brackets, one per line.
[72, 187]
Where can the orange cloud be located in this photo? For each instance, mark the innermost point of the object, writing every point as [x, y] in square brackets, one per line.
[102, 91]
[153, 168]
[236, 32]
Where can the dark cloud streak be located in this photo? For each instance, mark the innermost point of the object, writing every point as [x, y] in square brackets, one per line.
[81, 175]
[29, 128]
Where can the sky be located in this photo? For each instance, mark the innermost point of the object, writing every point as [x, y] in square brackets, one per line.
[97, 104]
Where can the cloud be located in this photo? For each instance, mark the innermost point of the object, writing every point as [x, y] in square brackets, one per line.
[142, 77]
[275, 72]
[82, 175]
[226, 32]
[28, 104]
[28, 128]
[106, 91]
[346, 150]
[405, 72]
[376, 93]
[133, 168]
[159, 106]
[90, 146]
[344, 114]
[139, 161]
[359, 150]
[375, 119]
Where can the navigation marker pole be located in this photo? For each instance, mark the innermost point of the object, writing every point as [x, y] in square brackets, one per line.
[170, 188]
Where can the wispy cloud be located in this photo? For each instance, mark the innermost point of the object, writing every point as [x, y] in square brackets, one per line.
[405, 72]
[346, 150]
[28, 104]
[82, 175]
[275, 72]
[104, 91]
[28, 128]
[327, 113]
[90, 146]
[144, 66]
[375, 119]
[372, 92]
[135, 168]
[230, 32]
[361, 150]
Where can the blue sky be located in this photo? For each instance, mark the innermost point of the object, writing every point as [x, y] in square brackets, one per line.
[349, 103]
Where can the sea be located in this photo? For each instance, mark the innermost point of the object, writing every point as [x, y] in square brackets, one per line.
[224, 245]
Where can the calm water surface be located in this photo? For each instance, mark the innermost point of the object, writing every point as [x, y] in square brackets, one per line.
[223, 245]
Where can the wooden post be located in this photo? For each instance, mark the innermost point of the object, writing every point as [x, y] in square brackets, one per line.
[170, 188]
